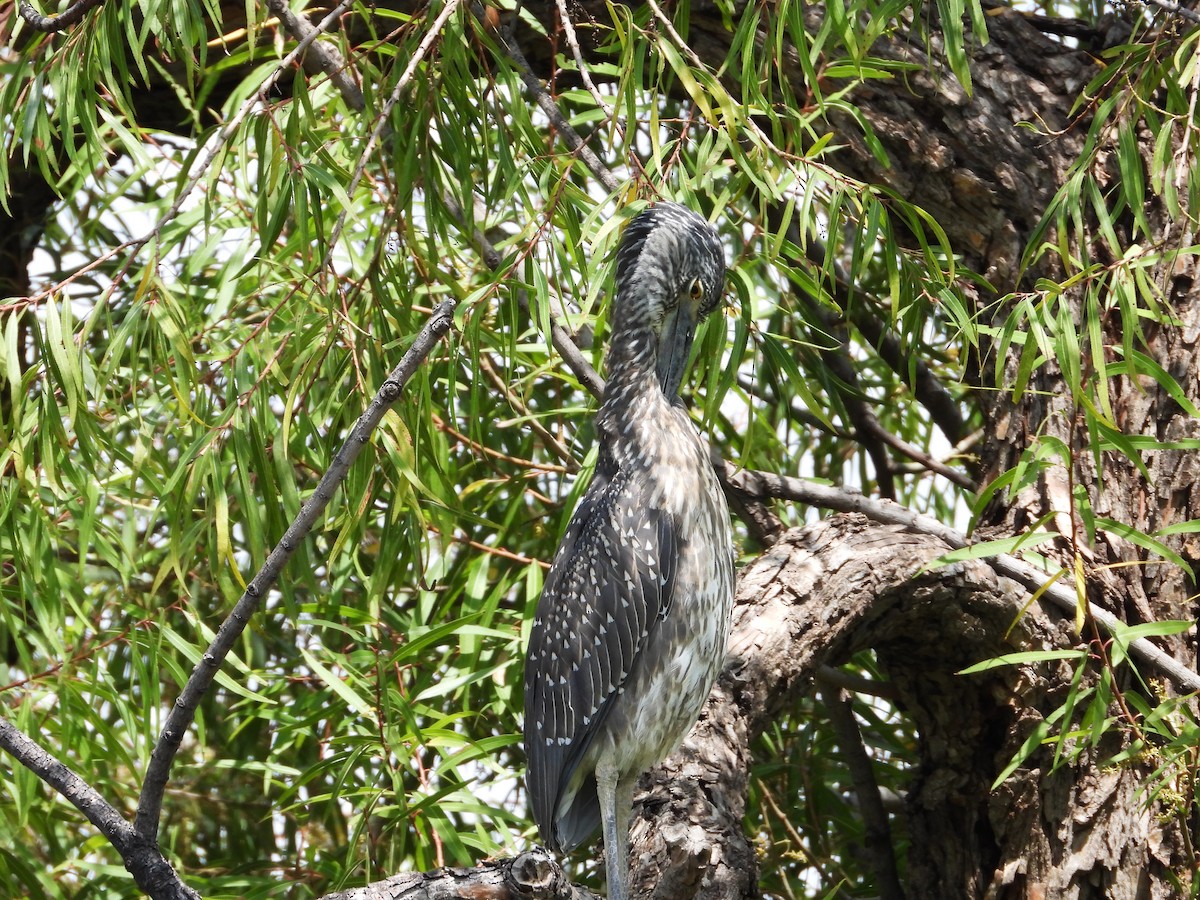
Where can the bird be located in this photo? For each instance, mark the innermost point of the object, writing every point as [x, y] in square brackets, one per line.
[631, 627]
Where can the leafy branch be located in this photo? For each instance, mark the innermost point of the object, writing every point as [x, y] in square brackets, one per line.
[184, 710]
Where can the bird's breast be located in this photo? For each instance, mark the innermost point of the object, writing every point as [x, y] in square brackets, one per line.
[685, 650]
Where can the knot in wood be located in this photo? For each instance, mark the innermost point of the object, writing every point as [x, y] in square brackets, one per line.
[389, 391]
[534, 874]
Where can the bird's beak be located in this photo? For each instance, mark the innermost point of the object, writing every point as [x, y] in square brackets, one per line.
[674, 346]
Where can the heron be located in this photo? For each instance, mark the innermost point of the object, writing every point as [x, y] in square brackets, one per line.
[632, 623]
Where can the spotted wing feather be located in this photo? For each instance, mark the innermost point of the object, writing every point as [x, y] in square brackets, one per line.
[610, 583]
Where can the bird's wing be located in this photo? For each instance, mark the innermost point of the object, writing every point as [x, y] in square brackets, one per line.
[611, 581]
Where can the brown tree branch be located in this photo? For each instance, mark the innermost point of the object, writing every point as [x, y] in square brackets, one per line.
[767, 484]
[551, 441]
[855, 683]
[862, 417]
[557, 120]
[796, 409]
[927, 388]
[568, 27]
[320, 57]
[923, 459]
[763, 523]
[1175, 8]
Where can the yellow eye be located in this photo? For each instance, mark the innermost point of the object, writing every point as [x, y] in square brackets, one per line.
[696, 290]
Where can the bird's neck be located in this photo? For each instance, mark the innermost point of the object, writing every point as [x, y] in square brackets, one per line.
[633, 396]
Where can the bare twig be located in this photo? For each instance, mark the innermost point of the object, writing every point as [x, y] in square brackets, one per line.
[924, 462]
[555, 115]
[858, 684]
[573, 42]
[145, 863]
[920, 456]
[184, 711]
[499, 552]
[1062, 26]
[767, 484]
[49, 24]
[875, 818]
[483, 450]
[926, 387]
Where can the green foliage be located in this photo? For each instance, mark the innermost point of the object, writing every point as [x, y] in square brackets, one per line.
[806, 814]
[1095, 709]
[1087, 323]
[233, 268]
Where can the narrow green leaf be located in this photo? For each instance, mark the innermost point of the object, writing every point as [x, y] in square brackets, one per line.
[339, 686]
[984, 549]
[1021, 658]
[1145, 541]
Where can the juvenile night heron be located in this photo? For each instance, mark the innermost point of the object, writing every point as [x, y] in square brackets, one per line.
[633, 620]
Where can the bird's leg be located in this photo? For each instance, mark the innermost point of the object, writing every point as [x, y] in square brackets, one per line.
[616, 800]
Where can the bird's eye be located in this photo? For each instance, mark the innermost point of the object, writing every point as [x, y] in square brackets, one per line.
[696, 290]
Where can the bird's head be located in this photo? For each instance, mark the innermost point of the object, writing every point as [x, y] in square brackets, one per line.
[670, 274]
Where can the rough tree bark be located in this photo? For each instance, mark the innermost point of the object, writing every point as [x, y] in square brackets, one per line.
[1080, 832]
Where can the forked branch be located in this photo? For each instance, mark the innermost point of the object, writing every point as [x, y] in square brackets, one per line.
[145, 863]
